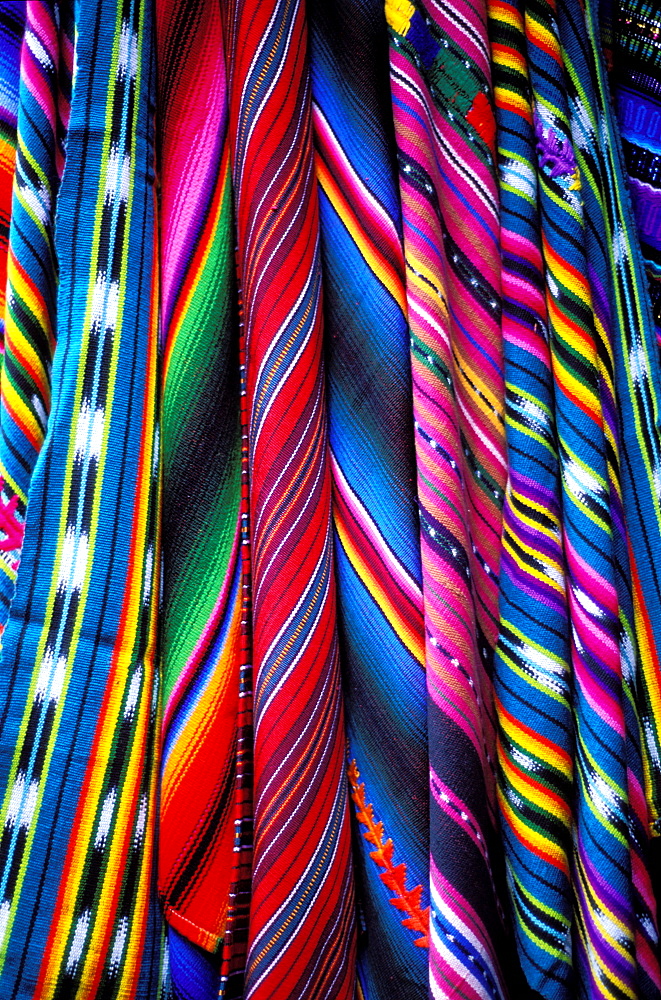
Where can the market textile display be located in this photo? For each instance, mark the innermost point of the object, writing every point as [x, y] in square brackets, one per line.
[330, 499]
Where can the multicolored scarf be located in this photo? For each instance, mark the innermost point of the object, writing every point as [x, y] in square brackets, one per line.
[80, 693]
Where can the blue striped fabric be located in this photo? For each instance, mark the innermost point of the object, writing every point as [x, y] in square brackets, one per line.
[79, 690]
[371, 442]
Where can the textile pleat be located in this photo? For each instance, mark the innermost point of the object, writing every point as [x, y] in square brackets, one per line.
[636, 79]
[12, 25]
[79, 686]
[630, 400]
[441, 88]
[374, 509]
[600, 936]
[330, 499]
[30, 321]
[532, 669]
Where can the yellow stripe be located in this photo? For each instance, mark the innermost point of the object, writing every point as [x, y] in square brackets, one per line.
[483, 397]
[510, 98]
[529, 570]
[23, 415]
[425, 281]
[510, 59]
[56, 954]
[385, 274]
[27, 293]
[537, 524]
[134, 946]
[527, 741]
[413, 642]
[535, 839]
[541, 36]
[125, 659]
[621, 941]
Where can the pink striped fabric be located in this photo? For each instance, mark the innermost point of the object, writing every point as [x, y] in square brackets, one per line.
[445, 128]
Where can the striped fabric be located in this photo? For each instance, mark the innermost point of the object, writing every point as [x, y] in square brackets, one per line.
[376, 525]
[12, 23]
[610, 949]
[205, 645]
[616, 269]
[636, 73]
[79, 694]
[29, 336]
[614, 927]
[330, 391]
[302, 935]
[533, 672]
[637, 58]
[445, 130]
[641, 383]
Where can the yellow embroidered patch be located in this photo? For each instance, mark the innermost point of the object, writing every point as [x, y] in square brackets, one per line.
[399, 14]
[575, 181]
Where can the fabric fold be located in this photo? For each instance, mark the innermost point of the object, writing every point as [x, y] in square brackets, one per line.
[12, 26]
[204, 834]
[79, 742]
[445, 129]
[302, 924]
[374, 506]
[46, 65]
[533, 667]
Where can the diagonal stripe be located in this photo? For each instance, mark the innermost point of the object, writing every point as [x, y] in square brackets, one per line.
[301, 920]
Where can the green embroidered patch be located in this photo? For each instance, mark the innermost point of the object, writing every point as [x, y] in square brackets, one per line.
[454, 83]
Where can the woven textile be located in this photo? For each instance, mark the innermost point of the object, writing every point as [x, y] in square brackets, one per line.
[445, 133]
[205, 642]
[636, 73]
[12, 21]
[79, 693]
[585, 914]
[375, 517]
[45, 74]
[533, 683]
[623, 308]
[302, 931]
[330, 510]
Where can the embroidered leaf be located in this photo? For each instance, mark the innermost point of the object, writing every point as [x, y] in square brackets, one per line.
[394, 876]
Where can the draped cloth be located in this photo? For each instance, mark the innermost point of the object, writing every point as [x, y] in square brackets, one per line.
[375, 518]
[445, 132]
[533, 683]
[574, 677]
[79, 691]
[12, 24]
[633, 32]
[330, 451]
[302, 920]
[205, 800]
[29, 316]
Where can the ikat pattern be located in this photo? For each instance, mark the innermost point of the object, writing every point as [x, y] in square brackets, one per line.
[86, 923]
